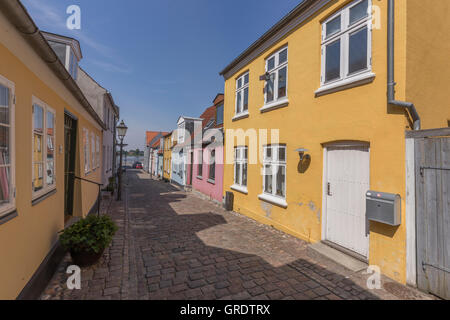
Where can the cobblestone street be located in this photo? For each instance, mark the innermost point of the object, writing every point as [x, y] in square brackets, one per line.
[175, 245]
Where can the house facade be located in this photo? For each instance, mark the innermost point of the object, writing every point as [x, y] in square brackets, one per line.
[103, 103]
[167, 156]
[310, 128]
[207, 176]
[182, 152]
[48, 141]
[150, 138]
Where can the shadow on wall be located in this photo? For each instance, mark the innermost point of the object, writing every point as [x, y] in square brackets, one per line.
[304, 164]
[168, 238]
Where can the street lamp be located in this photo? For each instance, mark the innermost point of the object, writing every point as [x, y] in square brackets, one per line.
[121, 132]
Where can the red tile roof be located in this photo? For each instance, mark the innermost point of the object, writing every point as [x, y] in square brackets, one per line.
[207, 115]
[149, 136]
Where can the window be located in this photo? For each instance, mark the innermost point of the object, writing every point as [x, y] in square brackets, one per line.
[346, 44]
[240, 166]
[212, 165]
[93, 162]
[97, 151]
[87, 165]
[276, 69]
[242, 85]
[43, 148]
[200, 164]
[219, 114]
[274, 178]
[7, 164]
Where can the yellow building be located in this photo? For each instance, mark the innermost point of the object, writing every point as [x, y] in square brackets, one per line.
[317, 81]
[49, 135]
[167, 168]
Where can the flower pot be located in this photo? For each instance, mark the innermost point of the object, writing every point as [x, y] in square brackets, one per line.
[85, 258]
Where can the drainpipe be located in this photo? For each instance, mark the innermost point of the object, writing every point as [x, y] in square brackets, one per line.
[391, 82]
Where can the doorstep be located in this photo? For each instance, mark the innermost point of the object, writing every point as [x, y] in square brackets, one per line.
[338, 256]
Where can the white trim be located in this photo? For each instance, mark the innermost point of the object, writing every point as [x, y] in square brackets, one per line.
[275, 164]
[351, 82]
[240, 116]
[239, 188]
[275, 71]
[410, 212]
[45, 108]
[273, 199]
[239, 110]
[275, 105]
[10, 207]
[242, 160]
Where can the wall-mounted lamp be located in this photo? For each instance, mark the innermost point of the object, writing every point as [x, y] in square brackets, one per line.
[301, 152]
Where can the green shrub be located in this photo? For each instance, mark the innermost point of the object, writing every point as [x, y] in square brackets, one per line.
[92, 234]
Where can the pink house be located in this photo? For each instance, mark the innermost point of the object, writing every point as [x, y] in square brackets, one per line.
[207, 168]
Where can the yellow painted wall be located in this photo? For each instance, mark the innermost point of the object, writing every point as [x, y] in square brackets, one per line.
[26, 239]
[167, 157]
[428, 60]
[359, 113]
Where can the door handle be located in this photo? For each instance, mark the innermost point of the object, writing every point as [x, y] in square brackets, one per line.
[329, 189]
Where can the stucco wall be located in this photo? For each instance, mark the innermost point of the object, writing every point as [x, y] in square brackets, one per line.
[359, 113]
[212, 189]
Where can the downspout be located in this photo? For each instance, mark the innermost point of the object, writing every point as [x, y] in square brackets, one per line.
[391, 81]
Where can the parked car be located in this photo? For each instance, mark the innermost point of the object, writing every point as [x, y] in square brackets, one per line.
[138, 165]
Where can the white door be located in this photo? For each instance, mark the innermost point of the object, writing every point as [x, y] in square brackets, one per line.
[346, 185]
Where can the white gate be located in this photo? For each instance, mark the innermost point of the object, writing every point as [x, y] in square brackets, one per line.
[347, 181]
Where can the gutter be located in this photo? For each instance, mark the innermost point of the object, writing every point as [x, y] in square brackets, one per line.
[391, 81]
[18, 16]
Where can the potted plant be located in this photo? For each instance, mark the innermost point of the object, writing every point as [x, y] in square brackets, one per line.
[87, 239]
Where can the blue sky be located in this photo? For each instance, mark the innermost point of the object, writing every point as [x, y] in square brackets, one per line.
[160, 58]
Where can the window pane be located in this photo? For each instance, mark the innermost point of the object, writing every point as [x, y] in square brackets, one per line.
[4, 145]
[269, 88]
[245, 153]
[38, 182]
[50, 173]
[237, 170]
[281, 154]
[246, 79]
[38, 123]
[268, 179]
[333, 61]
[282, 82]
[282, 58]
[359, 11]
[244, 174]
[280, 182]
[271, 64]
[4, 105]
[245, 107]
[268, 154]
[333, 26]
[238, 102]
[239, 83]
[4, 185]
[219, 114]
[358, 51]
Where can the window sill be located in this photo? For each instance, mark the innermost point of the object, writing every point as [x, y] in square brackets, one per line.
[284, 102]
[354, 81]
[199, 177]
[211, 181]
[40, 198]
[8, 215]
[274, 200]
[240, 116]
[239, 188]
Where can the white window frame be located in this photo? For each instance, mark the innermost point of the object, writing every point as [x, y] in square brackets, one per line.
[7, 208]
[343, 35]
[240, 157]
[239, 110]
[277, 102]
[275, 163]
[97, 151]
[46, 188]
[86, 147]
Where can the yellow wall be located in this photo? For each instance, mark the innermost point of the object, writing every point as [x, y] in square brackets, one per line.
[428, 60]
[26, 239]
[359, 113]
[167, 156]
